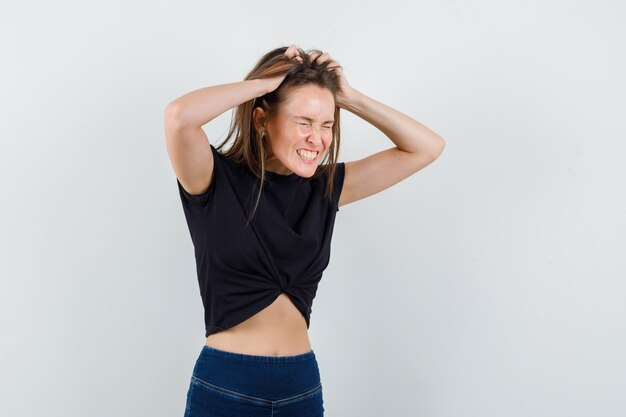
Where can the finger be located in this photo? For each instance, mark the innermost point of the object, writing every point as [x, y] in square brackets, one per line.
[312, 55]
[333, 65]
[322, 58]
[291, 51]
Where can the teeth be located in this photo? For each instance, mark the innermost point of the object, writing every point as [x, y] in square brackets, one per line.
[309, 156]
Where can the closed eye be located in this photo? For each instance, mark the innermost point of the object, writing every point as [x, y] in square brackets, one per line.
[325, 127]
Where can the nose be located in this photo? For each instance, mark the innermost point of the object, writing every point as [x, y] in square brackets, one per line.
[315, 137]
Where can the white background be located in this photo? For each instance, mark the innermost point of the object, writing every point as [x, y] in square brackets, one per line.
[489, 284]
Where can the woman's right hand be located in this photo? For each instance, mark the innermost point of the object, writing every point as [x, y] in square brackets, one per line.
[274, 82]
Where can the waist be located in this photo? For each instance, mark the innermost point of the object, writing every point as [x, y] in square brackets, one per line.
[265, 336]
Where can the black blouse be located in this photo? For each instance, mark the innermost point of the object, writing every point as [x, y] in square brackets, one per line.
[285, 247]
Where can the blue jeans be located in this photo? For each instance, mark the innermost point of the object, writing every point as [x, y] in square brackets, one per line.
[232, 384]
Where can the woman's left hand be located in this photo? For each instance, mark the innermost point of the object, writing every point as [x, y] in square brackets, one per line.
[344, 96]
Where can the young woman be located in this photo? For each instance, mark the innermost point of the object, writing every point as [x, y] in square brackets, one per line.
[261, 216]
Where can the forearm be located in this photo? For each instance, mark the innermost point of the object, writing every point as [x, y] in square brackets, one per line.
[408, 134]
[199, 107]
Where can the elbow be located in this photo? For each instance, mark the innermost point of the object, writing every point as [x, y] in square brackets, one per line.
[438, 150]
[173, 114]
[173, 109]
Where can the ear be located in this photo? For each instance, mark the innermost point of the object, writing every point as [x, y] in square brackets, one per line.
[258, 117]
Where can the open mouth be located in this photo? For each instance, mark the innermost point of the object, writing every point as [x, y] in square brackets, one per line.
[307, 155]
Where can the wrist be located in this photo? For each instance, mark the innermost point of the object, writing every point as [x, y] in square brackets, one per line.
[351, 99]
[260, 86]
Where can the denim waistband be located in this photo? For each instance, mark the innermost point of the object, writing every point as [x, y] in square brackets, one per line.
[260, 376]
[211, 351]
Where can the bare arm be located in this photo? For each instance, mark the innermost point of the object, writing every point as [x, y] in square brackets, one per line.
[199, 107]
[187, 145]
[416, 147]
[408, 134]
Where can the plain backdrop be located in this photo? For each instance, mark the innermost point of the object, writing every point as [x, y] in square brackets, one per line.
[489, 284]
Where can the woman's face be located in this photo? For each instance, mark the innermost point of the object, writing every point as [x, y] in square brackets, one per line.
[303, 123]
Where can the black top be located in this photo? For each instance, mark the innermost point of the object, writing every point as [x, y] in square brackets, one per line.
[285, 247]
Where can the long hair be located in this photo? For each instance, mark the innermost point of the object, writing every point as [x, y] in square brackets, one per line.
[249, 147]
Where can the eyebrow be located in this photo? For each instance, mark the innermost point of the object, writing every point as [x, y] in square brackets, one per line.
[310, 120]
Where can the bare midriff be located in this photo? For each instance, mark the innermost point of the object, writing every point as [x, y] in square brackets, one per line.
[277, 330]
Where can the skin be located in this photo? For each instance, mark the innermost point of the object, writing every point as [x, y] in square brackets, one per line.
[280, 329]
[289, 131]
